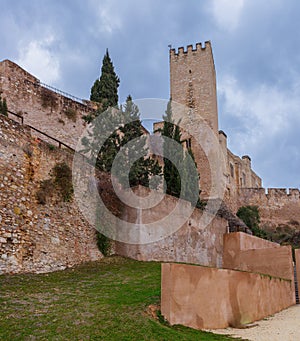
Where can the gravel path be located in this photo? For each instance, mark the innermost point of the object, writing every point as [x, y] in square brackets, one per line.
[283, 326]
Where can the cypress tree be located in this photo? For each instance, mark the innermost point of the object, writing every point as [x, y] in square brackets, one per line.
[126, 132]
[105, 92]
[190, 181]
[105, 89]
[182, 178]
[171, 174]
[136, 153]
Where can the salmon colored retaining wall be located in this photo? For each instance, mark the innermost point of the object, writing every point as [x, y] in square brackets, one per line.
[253, 254]
[210, 298]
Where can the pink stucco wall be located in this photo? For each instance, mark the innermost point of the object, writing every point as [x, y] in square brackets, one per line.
[253, 254]
[202, 297]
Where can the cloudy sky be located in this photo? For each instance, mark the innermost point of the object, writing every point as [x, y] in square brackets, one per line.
[256, 51]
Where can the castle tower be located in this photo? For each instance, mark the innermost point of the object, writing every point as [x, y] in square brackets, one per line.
[193, 84]
[193, 81]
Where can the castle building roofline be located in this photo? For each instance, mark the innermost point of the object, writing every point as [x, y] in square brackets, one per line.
[221, 132]
[190, 48]
[245, 157]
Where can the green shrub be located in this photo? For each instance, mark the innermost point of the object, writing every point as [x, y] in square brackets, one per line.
[250, 216]
[51, 146]
[62, 178]
[3, 107]
[104, 244]
[71, 114]
[44, 191]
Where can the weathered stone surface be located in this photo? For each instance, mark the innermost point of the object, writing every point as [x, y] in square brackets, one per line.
[193, 84]
[35, 237]
[194, 242]
[49, 111]
[277, 206]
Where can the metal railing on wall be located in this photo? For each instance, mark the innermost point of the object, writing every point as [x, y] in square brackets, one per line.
[60, 92]
[60, 144]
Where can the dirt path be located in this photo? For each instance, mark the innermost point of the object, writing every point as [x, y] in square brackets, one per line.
[283, 326]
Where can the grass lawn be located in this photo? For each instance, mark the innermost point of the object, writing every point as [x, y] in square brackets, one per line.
[104, 300]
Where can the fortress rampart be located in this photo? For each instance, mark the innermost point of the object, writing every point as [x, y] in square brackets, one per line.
[45, 108]
[276, 205]
[193, 84]
[36, 237]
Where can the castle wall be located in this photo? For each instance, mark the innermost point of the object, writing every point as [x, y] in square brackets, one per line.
[239, 175]
[35, 237]
[49, 111]
[197, 241]
[208, 298]
[276, 205]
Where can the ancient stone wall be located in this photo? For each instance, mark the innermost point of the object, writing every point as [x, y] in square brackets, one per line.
[208, 298]
[36, 237]
[276, 205]
[197, 240]
[45, 109]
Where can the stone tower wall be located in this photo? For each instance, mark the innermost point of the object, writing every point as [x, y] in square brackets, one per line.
[193, 84]
[193, 81]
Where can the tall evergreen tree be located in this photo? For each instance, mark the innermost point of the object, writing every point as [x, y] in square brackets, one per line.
[135, 158]
[126, 132]
[181, 176]
[190, 181]
[105, 89]
[105, 92]
[103, 132]
[171, 173]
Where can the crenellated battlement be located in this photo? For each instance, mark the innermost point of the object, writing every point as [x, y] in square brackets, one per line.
[269, 193]
[276, 205]
[200, 47]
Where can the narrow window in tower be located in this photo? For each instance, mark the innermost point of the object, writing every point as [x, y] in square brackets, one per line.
[244, 179]
[231, 170]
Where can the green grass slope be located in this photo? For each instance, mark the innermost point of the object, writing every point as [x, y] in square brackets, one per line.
[105, 300]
